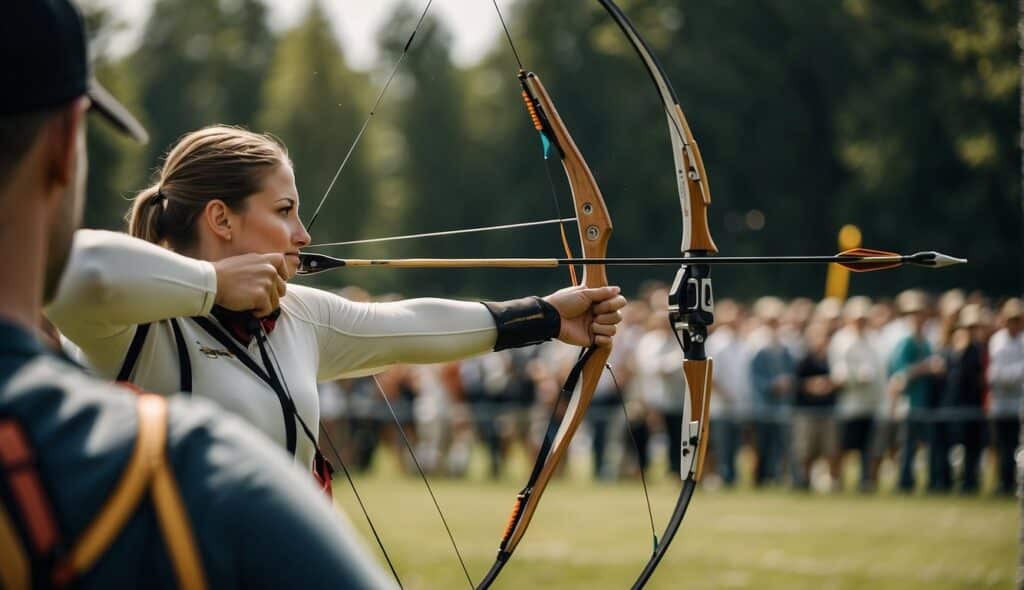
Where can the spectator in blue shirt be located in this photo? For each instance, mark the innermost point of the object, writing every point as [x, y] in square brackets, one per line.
[773, 381]
[913, 369]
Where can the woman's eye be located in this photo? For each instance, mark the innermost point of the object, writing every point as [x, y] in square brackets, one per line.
[285, 210]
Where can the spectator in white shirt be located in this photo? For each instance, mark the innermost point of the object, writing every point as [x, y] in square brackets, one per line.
[859, 370]
[730, 389]
[1006, 389]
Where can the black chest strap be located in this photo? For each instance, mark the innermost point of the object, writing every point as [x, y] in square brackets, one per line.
[267, 374]
[135, 348]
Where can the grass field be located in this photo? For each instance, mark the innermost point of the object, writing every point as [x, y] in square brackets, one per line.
[595, 536]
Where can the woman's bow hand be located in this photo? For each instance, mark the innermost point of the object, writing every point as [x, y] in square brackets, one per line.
[589, 316]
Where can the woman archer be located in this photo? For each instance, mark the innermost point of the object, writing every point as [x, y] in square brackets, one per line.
[215, 240]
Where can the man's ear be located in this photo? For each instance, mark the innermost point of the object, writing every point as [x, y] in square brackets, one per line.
[217, 216]
[61, 137]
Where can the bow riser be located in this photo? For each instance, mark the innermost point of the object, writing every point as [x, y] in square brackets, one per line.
[691, 313]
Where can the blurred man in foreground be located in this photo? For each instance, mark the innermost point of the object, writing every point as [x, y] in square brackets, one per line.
[99, 487]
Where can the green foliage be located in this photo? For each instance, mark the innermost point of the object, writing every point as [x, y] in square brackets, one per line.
[200, 63]
[113, 159]
[930, 133]
[314, 103]
[898, 117]
[431, 188]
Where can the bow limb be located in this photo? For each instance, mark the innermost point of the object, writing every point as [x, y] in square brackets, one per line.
[691, 300]
[595, 229]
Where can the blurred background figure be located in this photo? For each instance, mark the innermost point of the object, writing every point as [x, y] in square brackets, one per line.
[773, 382]
[813, 425]
[857, 367]
[730, 388]
[959, 417]
[635, 435]
[914, 369]
[1006, 380]
[660, 367]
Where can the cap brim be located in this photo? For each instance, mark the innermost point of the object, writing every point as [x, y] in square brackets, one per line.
[106, 105]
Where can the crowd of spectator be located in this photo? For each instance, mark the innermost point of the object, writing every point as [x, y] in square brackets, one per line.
[916, 379]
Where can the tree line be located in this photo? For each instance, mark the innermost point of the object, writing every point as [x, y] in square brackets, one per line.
[900, 118]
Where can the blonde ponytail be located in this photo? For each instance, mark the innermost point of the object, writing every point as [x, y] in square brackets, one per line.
[144, 218]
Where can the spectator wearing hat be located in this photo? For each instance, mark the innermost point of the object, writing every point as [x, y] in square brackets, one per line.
[914, 369]
[661, 373]
[1006, 382]
[959, 415]
[730, 388]
[859, 370]
[793, 320]
[813, 425]
[773, 382]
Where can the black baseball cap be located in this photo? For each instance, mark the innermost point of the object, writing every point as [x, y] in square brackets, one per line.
[46, 63]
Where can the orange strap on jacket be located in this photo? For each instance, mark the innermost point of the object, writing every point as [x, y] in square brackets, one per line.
[147, 470]
[19, 467]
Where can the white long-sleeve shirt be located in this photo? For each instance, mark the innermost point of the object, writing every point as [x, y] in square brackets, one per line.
[1005, 374]
[659, 366]
[115, 282]
[730, 387]
[854, 363]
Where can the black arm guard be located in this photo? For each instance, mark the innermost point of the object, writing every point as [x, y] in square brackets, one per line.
[523, 322]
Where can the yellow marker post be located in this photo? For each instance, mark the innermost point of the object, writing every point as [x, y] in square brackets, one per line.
[837, 282]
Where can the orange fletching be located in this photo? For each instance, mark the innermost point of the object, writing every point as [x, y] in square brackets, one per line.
[870, 265]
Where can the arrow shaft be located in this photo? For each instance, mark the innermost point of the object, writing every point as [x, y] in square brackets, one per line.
[314, 263]
[553, 262]
[653, 261]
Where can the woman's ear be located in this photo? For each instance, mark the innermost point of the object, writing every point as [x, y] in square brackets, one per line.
[217, 217]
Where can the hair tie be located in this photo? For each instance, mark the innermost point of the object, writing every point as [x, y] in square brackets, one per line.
[160, 196]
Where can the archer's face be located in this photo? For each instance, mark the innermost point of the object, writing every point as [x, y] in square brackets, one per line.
[270, 222]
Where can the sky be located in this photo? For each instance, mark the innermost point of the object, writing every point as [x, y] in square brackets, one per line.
[473, 23]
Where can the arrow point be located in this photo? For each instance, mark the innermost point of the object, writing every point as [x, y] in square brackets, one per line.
[938, 259]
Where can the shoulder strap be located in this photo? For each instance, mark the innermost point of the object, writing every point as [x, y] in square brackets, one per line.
[170, 509]
[132, 357]
[143, 470]
[184, 362]
[32, 502]
[16, 571]
[135, 348]
[288, 410]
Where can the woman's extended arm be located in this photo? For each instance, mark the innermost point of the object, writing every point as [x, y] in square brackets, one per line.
[359, 338]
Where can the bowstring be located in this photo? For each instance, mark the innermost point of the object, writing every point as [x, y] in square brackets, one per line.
[547, 171]
[636, 447]
[423, 476]
[450, 232]
[334, 449]
[376, 103]
[366, 121]
[572, 274]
